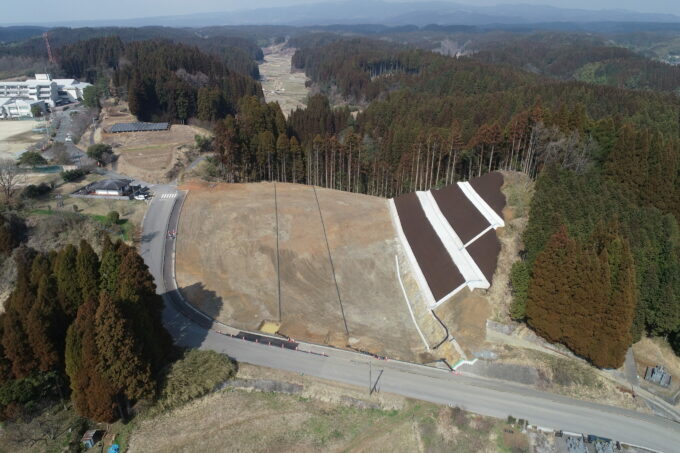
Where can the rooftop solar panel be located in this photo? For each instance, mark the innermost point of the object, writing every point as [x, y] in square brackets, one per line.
[139, 127]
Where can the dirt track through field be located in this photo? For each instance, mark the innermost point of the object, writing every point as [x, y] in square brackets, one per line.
[226, 264]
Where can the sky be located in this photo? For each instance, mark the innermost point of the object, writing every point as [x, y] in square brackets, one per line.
[14, 11]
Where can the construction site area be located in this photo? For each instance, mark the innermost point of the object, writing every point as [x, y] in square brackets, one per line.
[318, 265]
[147, 155]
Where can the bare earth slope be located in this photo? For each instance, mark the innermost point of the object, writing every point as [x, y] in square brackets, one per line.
[226, 264]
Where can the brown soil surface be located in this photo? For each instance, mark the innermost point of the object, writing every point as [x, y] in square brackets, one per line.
[485, 252]
[434, 261]
[226, 264]
[462, 215]
[466, 316]
[146, 155]
[16, 136]
[489, 188]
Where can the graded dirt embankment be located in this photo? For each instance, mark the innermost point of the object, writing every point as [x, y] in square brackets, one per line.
[226, 264]
[279, 83]
[146, 155]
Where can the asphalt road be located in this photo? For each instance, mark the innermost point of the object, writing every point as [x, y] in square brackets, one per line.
[483, 396]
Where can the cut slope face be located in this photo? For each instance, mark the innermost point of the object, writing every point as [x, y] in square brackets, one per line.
[227, 264]
[449, 235]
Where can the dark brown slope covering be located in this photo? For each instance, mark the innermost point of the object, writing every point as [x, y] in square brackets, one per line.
[485, 252]
[489, 188]
[437, 266]
[463, 216]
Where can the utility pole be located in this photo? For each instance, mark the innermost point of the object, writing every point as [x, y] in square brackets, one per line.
[370, 378]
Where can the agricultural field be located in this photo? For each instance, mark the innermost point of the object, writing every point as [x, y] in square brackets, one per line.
[227, 265]
[279, 83]
[149, 156]
[16, 136]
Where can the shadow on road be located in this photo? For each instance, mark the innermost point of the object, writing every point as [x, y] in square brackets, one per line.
[203, 299]
[190, 324]
[146, 238]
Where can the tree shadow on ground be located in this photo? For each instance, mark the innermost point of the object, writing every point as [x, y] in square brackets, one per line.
[190, 324]
[207, 301]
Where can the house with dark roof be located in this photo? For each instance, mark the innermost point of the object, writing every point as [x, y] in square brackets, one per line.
[113, 187]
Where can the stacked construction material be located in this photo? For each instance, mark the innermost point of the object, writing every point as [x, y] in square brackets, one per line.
[450, 235]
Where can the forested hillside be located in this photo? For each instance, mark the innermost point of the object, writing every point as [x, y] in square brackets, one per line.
[237, 52]
[578, 57]
[602, 260]
[596, 126]
[161, 80]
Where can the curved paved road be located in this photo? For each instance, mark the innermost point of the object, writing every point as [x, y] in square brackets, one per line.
[487, 397]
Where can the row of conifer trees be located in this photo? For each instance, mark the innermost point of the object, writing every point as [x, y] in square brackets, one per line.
[91, 321]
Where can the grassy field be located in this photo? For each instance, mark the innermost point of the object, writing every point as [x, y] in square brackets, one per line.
[319, 417]
[313, 415]
[131, 212]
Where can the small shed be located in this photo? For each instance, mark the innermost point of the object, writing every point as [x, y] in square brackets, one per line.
[115, 187]
[91, 437]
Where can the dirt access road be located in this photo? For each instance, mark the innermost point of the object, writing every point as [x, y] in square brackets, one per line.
[279, 83]
[227, 264]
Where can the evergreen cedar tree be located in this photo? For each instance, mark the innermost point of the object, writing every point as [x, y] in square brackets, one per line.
[95, 323]
[583, 297]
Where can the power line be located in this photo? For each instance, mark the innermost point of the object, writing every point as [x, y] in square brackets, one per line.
[330, 258]
[278, 267]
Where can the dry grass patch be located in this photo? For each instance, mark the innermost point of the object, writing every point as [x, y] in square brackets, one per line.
[149, 156]
[241, 421]
[573, 377]
[227, 264]
[518, 190]
[657, 351]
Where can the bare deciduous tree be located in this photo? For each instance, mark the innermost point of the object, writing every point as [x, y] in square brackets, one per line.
[10, 178]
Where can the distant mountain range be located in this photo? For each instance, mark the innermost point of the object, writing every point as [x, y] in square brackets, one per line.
[380, 12]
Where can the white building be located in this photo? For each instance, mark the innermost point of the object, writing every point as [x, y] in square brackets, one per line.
[11, 108]
[44, 88]
[70, 89]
